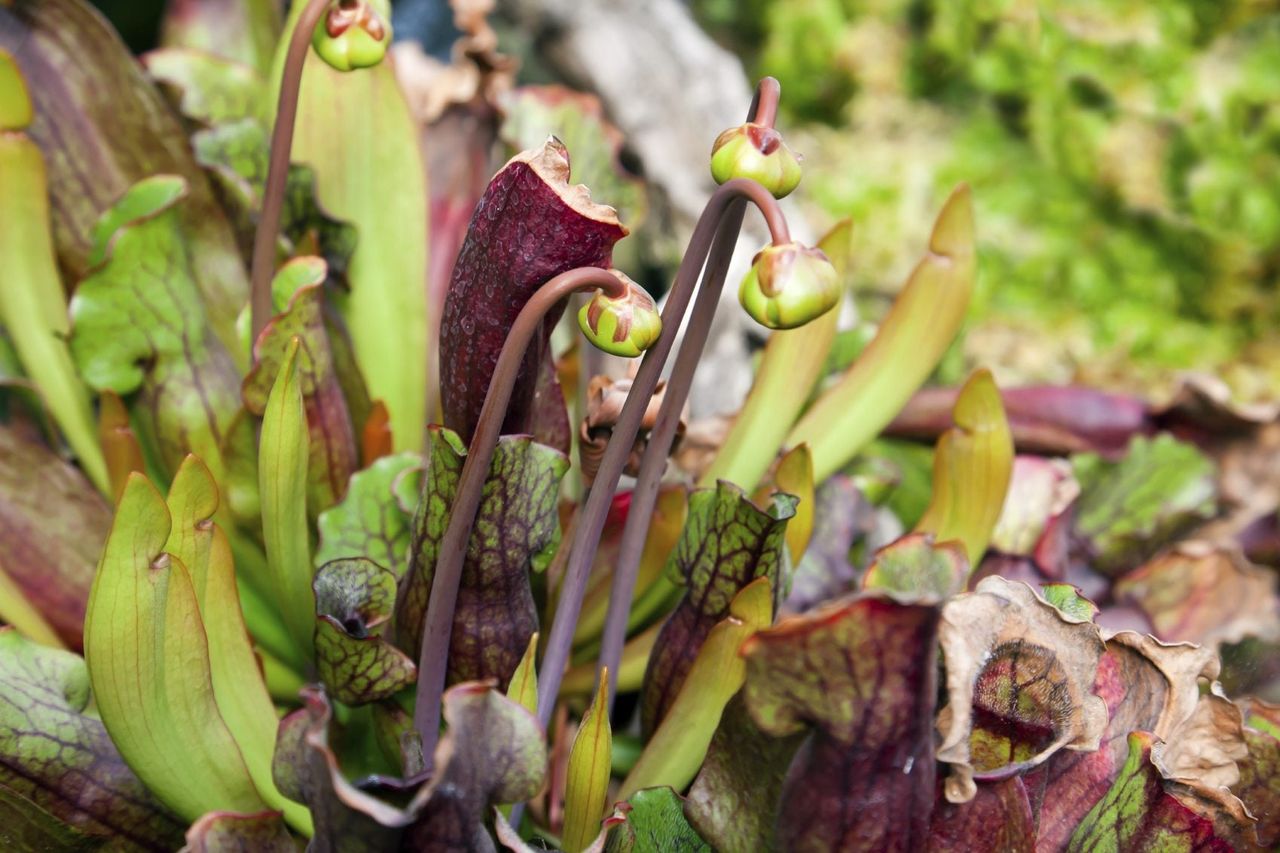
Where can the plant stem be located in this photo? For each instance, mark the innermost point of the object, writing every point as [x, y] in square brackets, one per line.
[438, 625]
[645, 494]
[591, 521]
[264, 238]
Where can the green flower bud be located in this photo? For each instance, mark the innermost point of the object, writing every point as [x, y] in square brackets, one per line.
[353, 34]
[757, 152]
[788, 286]
[626, 326]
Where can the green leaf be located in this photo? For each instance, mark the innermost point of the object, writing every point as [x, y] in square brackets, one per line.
[972, 466]
[33, 307]
[50, 746]
[282, 483]
[372, 521]
[148, 660]
[210, 90]
[354, 600]
[914, 565]
[138, 324]
[861, 674]
[734, 800]
[245, 31]
[1259, 786]
[334, 454]
[727, 543]
[1070, 601]
[790, 367]
[516, 531]
[524, 681]
[52, 526]
[654, 820]
[676, 750]
[238, 686]
[355, 130]
[912, 339]
[104, 145]
[587, 779]
[1129, 509]
[1139, 814]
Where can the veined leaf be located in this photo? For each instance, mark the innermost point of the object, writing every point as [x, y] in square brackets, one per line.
[971, 470]
[914, 565]
[354, 600]
[1130, 508]
[527, 208]
[148, 660]
[334, 455]
[57, 764]
[587, 782]
[912, 338]
[33, 308]
[52, 526]
[790, 366]
[679, 745]
[138, 324]
[282, 482]
[356, 132]
[238, 687]
[516, 531]
[210, 89]
[1139, 814]
[864, 780]
[727, 543]
[70, 55]
[371, 521]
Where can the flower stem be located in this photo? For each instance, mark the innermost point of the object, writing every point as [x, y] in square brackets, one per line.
[645, 494]
[438, 626]
[591, 521]
[264, 238]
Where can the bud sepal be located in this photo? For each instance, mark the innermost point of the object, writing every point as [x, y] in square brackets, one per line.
[788, 285]
[353, 34]
[627, 326]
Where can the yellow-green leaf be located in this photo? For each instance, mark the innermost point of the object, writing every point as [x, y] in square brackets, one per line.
[523, 687]
[971, 469]
[33, 307]
[238, 685]
[148, 659]
[794, 476]
[356, 131]
[916, 332]
[675, 752]
[587, 784]
[282, 482]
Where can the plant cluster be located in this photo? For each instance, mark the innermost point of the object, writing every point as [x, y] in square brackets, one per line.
[255, 597]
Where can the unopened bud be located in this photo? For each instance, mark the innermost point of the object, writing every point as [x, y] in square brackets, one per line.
[626, 326]
[757, 152]
[789, 285]
[353, 34]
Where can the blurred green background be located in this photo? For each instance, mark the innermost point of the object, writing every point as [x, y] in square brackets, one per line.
[1125, 158]
[1124, 155]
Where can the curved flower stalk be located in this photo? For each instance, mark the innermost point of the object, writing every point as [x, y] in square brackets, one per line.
[436, 632]
[717, 258]
[347, 40]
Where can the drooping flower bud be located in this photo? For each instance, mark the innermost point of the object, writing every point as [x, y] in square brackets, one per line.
[353, 34]
[757, 152]
[789, 285]
[626, 326]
